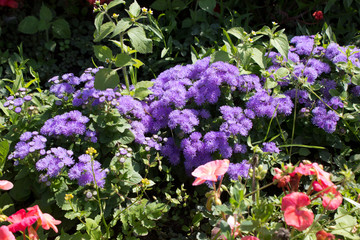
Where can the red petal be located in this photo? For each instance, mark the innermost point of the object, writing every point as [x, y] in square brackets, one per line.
[299, 219]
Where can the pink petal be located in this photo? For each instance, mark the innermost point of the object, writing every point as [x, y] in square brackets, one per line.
[332, 201]
[6, 185]
[5, 233]
[296, 199]
[299, 219]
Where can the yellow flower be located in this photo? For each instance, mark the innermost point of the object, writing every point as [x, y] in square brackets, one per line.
[91, 151]
[150, 11]
[68, 197]
[144, 10]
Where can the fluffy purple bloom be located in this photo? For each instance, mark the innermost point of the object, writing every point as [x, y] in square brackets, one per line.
[240, 148]
[55, 161]
[237, 170]
[270, 147]
[262, 104]
[284, 105]
[171, 151]
[88, 171]
[204, 90]
[249, 82]
[18, 102]
[326, 120]
[186, 119]
[61, 89]
[235, 121]
[29, 143]
[335, 103]
[138, 129]
[309, 73]
[217, 141]
[128, 104]
[303, 44]
[332, 50]
[319, 66]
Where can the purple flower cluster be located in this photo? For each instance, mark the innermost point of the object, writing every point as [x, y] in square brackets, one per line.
[270, 147]
[30, 142]
[54, 161]
[67, 124]
[235, 121]
[17, 102]
[237, 170]
[336, 54]
[326, 120]
[87, 171]
[186, 119]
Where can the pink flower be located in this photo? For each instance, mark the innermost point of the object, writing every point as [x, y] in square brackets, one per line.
[6, 185]
[281, 177]
[322, 235]
[47, 221]
[318, 15]
[295, 213]
[21, 220]
[210, 171]
[332, 200]
[33, 234]
[249, 238]
[5, 233]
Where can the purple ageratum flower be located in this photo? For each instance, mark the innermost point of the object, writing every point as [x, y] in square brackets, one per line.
[25, 136]
[138, 129]
[217, 141]
[88, 171]
[319, 66]
[61, 89]
[249, 82]
[240, 148]
[54, 161]
[18, 102]
[262, 104]
[284, 105]
[237, 170]
[335, 103]
[158, 116]
[326, 120]
[91, 135]
[68, 124]
[224, 72]
[303, 44]
[270, 147]
[186, 119]
[129, 105]
[204, 90]
[332, 50]
[235, 121]
[29, 143]
[198, 68]
[302, 95]
[171, 151]
[309, 72]
[175, 95]
[192, 145]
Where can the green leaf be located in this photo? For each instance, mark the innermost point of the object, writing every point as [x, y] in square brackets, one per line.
[356, 204]
[282, 72]
[4, 150]
[159, 5]
[106, 78]
[115, 3]
[141, 93]
[220, 56]
[45, 13]
[139, 40]
[304, 152]
[43, 25]
[144, 84]
[329, 5]
[61, 28]
[102, 53]
[103, 31]
[356, 80]
[122, 26]
[29, 25]
[259, 57]
[50, 45]
[127, 137]
[93, 229]
[238, 32]
[281, 44]
[122, 59]
[134, 9]
[207, 5]
[99, 20]
[140, 230]
[269, 84]
[148, 223]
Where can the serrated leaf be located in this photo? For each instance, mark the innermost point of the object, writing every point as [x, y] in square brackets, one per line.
[29, 25]
[148, 223]
[269, 84]
[139, 40]
[103, 31]
[356, 80]
[123, 25]
[134, 9]
[141, 93]
[45, 13]
[102, 53]
[220, 56]
[106, 78]
[122, 59]
[61, 28]
[140, 230]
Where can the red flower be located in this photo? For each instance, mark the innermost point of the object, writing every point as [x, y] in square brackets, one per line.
[21, 220]
[210, 171]
[332, 200]
[282, 177]
[5, 233]
[322, 235]
[295, 213]
[47, 221]
[6, 185]
[318, 15]
[9, 3]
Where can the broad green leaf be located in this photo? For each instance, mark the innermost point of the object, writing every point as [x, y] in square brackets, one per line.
[281, 44]
[45, 13]
[220, 56]
[141, 93]
[102, 53]
[106, 78]
[329, 4]
[238, 32]
[93, 229]
[139, 40]
[134, 9]
[122, 59]
[138, 63]
[104, 30]
[50, 45]
[144, 84]
[61, 28]
[269, 84]
[127, 137]
[123, 25]
[29, 25]
[356, 80]
[282, 72]
[115, 3]
[159, 5]
[140, 230]
[259, 57]
[4, 150]
[43, 25]
[207, 5]
[99, 20]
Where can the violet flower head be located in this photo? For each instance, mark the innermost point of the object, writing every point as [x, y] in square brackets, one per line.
[326, 120]
[29, 143]
[236, 121]
[186, 119]
[237, 170]
[54, 161]
[303, 44]
[270, 147]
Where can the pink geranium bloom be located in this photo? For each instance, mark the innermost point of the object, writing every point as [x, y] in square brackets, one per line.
[5, 233]
[295, 213]
[47, 221]
[210, 171]
[33, 234]
[281, 177]
[322, 235]
[6, 185]
[332, 200]
[249, 238]
[304, 169]
[21, 220]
